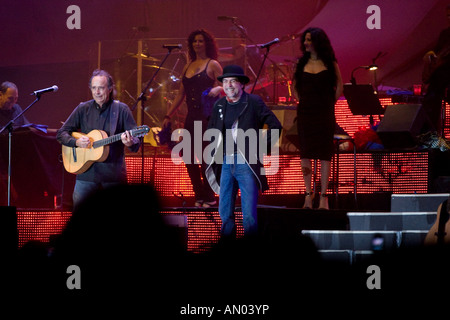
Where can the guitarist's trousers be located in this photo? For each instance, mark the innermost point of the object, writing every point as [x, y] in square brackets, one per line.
[84, 189]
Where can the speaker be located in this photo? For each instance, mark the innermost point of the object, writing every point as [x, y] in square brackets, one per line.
[9, 236]
[401, 125]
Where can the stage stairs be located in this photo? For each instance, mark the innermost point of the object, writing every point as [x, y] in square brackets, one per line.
[405, 226]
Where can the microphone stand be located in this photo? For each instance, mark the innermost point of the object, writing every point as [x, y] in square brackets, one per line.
[248, 39]
[260, 68]
[275, 67]
[9, 127]
[143, 99]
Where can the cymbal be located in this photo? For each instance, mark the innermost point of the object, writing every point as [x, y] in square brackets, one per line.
[156, 67]
[143, 57]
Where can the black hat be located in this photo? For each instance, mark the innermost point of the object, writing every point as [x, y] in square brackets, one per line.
[234, 71]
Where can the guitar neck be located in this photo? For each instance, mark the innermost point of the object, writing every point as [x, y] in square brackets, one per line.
[106, 141]
[137, 132]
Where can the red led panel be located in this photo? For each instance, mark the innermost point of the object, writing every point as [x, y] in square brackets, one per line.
[204, 229]
[287, 178]
[447, 122]
[168, 177]
[376, 172]
[40, 225]
[351, 123]
[386, 172]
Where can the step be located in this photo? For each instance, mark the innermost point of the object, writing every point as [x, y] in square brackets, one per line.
[417, 202]
[412, 238]
[342, 256]
[391, 221]
[346, 256]
[362, 240]
[351, 240]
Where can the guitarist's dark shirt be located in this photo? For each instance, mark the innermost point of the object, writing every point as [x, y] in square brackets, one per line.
[89, 116]
[8, 115]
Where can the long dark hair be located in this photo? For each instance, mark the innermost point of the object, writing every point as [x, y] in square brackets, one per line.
[210, 44]
[323, 48]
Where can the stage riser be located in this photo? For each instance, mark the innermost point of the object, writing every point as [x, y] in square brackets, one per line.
[394, 221]
[400, 229]
[363, 240]
[346, 256]
[417, 202]
[350, 240]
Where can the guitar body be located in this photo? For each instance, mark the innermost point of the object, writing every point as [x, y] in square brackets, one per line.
[439, 233]
[79, 160]
[84, 157]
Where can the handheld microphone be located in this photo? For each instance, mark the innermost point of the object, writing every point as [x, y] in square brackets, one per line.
[37, 92]
[172, 46]
[268, 44]
[224, 18]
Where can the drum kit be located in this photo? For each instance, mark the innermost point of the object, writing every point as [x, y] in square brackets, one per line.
[162, 90]
[274, 83]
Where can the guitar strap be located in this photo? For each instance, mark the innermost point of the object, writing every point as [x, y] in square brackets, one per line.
[113, 117]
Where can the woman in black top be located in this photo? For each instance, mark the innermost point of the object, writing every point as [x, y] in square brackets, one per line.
[318, 84]
[198, 76]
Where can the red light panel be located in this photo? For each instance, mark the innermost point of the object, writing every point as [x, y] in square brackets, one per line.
[204, 229]
[168, 177]
[378, 171]
[40, 225]
[447, 122]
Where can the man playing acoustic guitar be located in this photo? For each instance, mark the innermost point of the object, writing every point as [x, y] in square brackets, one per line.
[108, 116]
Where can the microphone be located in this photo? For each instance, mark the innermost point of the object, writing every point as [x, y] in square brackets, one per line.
[225, 18]
[268, 44]
[172, 46]
[38, 92]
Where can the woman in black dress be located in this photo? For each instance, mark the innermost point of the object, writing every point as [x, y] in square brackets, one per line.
[318, 84]
[199, 75]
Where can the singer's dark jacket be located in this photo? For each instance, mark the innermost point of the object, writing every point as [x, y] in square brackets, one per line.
[88, 116]
[254, 115]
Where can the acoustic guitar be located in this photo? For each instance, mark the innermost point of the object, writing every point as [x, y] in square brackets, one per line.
[78, 160]
[439, 232]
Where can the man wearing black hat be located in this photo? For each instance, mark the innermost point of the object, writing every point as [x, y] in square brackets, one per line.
[238, 159]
